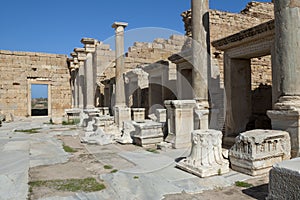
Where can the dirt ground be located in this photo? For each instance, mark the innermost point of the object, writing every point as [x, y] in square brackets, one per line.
[83, 165]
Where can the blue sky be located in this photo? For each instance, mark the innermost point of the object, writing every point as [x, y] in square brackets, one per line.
[56, 26]
[39, 91]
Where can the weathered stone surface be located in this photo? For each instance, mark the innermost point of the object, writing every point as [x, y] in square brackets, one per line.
[121, 114]
[205, 158]
[285, 180]
[180, 114]
[256, 151]
[147, 132]
[138, 114]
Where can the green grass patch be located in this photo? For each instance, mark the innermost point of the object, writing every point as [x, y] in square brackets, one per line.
[243, 184]
[152, 150]
[113, 171]
[70, 185]
[29, 131]
[69, 149]
[135, 177]
[107, 167]
[71, 122]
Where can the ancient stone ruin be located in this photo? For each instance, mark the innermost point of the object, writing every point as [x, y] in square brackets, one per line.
[203, 92]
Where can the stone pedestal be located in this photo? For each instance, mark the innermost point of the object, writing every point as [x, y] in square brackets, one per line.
[180, 114]
[73, 114]
[286, 116]
[122, 114]
[138, 114]
[201, 116]
[205, 158]
[256, 151]
[285, 180]
[147, 132]
[161, 115]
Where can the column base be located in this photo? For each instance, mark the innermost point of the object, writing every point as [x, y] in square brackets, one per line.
[206, 157]
[286, 116]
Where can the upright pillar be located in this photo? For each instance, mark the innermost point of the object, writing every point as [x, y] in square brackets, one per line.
[122, 113]
[81, 55]
[89, 81]
[76, 66]
[72, 79]
[201, 60]
[286, 111]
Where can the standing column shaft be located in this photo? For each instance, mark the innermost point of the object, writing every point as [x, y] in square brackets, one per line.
[287, 45]
[81, 56]
[76, 88]
[89, 81]
[119, 40]
[201, 48]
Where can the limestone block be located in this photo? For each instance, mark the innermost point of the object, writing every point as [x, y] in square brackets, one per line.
[138, 114]
[147, 132]
[180, 119]
[161, 115]
[285, 180]
[122, 114]
[254, 152]
[205, 158]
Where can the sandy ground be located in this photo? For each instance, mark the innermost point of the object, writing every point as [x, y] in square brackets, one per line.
[84, 164]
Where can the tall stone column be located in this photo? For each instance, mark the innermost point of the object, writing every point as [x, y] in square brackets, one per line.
[120, 85]
[89, 81]
[286, 111]
[72, 79]
[201, 60]
[81, 55]
[76, 66]
[122, 113]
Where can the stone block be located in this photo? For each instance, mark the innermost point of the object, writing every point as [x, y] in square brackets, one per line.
[121, 114]
[180, 119]
[254, 152]
[284, 180]
[147, 132]
[161, 115]
[138, 114]
[206, 157]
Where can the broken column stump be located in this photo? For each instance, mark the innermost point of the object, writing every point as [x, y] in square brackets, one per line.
[205, 158]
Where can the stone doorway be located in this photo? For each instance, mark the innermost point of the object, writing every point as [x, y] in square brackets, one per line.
[39, 97]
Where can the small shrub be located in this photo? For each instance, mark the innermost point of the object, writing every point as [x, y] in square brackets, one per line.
[29, 131]
[69, 149]
[243, 184]
[135, 177]
[108, 167]
[152, 150]
[113, 171]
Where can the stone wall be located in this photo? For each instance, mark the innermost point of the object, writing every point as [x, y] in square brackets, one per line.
[140, 53]
[20, 69]
[223, 24]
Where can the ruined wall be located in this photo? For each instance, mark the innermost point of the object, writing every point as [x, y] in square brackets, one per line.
[223, 24]
[140, 53]
[19, 69]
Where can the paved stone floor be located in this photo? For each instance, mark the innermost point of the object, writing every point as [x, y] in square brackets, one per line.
[141, 174]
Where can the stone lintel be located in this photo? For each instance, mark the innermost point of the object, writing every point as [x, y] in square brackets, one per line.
[79, 50]
[117, 24]
[252, 34]
[183, 56]
[180, 103]
[89, 44]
